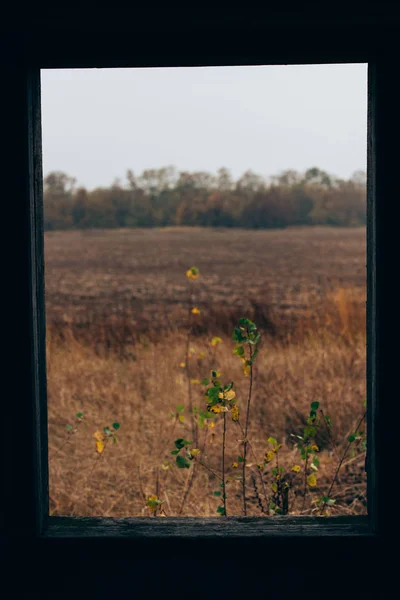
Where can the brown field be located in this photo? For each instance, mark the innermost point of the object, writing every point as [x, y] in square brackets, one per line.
[116, 306]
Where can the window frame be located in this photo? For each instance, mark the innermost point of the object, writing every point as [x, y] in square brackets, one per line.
[26, 501]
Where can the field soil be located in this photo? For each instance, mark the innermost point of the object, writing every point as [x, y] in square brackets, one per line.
[117, 306]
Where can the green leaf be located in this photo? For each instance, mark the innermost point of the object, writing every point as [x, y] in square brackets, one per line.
[240, 459]
[351, 438]
[217, 494]
[237, 335]
[221, 485]
[213, 393]
[314, 405]
[245, 321]
[69, 427]
[205, 381]
[116, 426]
[309, 432]
[213, 373]
[171, 414]
[79, 415]
[272, 440]
[182, 462]
[180, 408]
[174, 451]
[115, 439]
[327, 420]
[238, 351]
[181, 443]
[315, 461]
[107, 430]
[221, 510]
[330, 501]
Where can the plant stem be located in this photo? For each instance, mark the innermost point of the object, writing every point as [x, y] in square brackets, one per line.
[157, 487]
[246, 426]
[187, 362]
[223, 464]
[341, 462]
[260, 504]
[95, 463]
[278, 480]
[191, 480]
[66, 442]
[329, 433]
[305, 482]
[189, 484]
[191, 475]
[209, 469]
[255, 458]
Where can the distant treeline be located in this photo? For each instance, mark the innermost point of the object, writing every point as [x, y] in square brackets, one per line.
[165, 197]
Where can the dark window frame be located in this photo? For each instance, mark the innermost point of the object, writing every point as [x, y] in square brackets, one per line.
[26, 498]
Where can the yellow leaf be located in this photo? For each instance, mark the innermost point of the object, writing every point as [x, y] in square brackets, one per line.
[246, 370]
[296, 469]
[99, 446]
[215, 341]
[211, 425]
[181, 419]
[195, 452]
[269, 456]
[152, 503]
[98, 435]
[235, 413]
[182, 364]
[201, 355]
[260, 465]
[215, 409]
[274, 487]
[312, 480]
[227, 395]
[195, 311]
[235, 465]
[192, 273]
[195, 381]
[315, 447]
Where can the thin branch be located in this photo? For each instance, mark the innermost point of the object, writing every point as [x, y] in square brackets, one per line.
[255, 458]
[246, 426]
[223, 464]
[341, 462]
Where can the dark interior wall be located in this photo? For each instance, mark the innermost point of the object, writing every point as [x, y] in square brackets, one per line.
[92, 35]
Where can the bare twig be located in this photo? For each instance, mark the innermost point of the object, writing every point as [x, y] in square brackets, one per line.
[255, 458]
[246, 426]
[223, 464]
[341, 462]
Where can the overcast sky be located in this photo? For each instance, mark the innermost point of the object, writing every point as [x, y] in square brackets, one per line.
[97, 123]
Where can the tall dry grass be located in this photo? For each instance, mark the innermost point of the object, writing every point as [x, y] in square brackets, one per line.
[113, 373]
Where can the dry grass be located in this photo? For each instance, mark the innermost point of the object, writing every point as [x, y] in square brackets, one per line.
[118, 359]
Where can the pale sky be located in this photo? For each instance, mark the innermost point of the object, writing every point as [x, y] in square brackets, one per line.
[97, 123]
